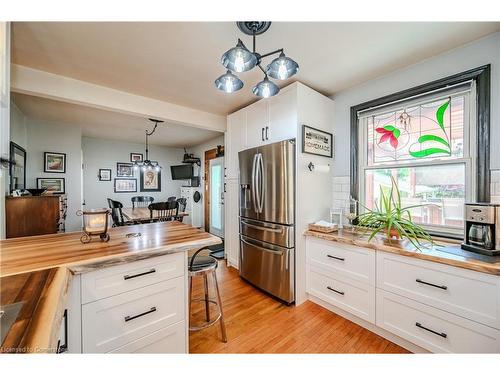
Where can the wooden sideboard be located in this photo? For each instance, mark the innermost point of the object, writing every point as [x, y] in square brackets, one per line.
[34, 215]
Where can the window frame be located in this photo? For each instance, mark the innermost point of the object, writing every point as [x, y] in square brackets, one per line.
[478, 181]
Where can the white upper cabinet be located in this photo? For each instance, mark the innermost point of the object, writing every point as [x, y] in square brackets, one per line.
[282, 116]
[235, 141]
[257, 122]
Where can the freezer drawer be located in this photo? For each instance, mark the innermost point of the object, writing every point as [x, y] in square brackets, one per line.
[269, 267]
[277, 234]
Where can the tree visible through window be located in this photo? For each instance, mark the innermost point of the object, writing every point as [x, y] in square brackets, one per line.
[425, 145]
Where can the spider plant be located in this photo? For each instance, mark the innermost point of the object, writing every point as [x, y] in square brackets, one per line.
[391, 217]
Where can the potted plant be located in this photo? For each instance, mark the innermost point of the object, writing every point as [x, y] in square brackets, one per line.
[390, 217]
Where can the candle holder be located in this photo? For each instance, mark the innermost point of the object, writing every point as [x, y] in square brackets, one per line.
[95, 223]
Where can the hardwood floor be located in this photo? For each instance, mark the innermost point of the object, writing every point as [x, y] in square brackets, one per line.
[256, 323]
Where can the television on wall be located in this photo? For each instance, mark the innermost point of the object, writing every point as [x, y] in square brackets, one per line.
[182, 172]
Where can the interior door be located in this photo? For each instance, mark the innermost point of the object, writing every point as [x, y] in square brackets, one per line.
[217, 196]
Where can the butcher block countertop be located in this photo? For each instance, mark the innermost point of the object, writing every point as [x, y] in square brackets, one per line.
[441, 252]
[37, 271]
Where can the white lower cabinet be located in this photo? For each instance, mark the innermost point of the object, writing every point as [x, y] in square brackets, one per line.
[112, 322]
[434, 329]
[437, 307]
[348, 294]
[136, 307]
[171, 339]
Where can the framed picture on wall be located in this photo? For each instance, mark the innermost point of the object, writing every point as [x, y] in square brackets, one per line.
[317, 142]
[151, 180]
[17, 169]
[52, 185]
[135, 157]
[125, 185]
[124, 170]
[54, 162]
[104, 175]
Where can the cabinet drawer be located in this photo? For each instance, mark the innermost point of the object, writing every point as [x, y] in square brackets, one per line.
[345, 293]
[433, 329]
[112, 322]
[466, 293]
[342, 259]
[114, 280]
[166, 340]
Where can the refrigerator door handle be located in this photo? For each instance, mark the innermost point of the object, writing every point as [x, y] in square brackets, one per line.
[262, 183]
[254, 185]
[277, 252]
[265, 229]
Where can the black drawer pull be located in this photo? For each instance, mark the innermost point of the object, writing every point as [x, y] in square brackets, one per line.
[444, 335]
[151, 310]
[334, 290]
[444, 287]
[127, 277]
[334, 257]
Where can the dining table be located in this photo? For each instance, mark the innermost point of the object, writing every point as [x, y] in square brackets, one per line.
[142, 213]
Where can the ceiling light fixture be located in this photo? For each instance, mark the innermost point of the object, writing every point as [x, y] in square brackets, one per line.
[147, 164]
[241, 59]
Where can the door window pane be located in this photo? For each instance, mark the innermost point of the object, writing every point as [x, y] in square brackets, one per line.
[216, 196]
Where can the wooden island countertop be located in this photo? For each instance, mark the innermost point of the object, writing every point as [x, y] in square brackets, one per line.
[37, 271]
[441, 252]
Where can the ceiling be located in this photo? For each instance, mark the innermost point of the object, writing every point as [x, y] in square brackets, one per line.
[179, 61]
[98, 123]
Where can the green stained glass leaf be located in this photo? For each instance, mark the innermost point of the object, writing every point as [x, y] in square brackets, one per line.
[440, 114]
[389, 127]
[430, 137]
[396, 133]
[429, 151]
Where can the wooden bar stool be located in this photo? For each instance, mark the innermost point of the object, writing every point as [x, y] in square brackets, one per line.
[205, 266]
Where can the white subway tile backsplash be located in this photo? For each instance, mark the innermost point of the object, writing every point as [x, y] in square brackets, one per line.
[495, 176]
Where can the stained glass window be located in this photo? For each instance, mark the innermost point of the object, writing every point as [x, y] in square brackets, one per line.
[425, 145]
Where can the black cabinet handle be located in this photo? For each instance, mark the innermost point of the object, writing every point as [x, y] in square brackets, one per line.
[334, 290]
[334, 257]
[151, 310]
[127, 277]
[64, 348]
[444, 287]
[267, 133]
[262, 135]
[444, 335]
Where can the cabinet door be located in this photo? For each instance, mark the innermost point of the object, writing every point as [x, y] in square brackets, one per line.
[235, 141]
[257, 120]
[232, 222]
[282, 116]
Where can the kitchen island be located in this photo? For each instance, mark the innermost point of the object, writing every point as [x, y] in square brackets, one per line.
[125, 295]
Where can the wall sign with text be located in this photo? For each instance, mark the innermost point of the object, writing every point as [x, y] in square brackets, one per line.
[317, 142]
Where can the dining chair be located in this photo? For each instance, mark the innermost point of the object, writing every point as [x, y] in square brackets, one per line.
[181, 207]
[163, 211]
[141, 201]
[116, 213]
[171, 199]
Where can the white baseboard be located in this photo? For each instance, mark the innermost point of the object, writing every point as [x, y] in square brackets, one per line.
[369, 326]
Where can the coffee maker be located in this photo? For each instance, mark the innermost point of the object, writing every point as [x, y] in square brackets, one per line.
[482, 228]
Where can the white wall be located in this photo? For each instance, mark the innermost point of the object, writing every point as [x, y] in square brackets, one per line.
[101, 153]
[43, 136]
[481, 52]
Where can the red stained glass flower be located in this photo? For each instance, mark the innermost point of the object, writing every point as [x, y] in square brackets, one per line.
[389, 133]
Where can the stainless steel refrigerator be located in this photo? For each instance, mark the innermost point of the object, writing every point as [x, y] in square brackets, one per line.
[267, 218]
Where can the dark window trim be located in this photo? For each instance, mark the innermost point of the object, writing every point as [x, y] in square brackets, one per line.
[481, 75]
